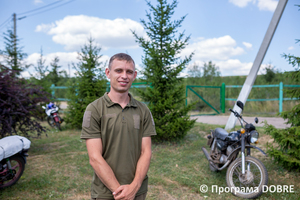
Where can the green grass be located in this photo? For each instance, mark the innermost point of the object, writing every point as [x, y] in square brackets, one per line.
[58, 168]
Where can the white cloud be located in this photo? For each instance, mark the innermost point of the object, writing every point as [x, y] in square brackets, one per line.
[44, 27]
[232, 67]
[291, 48]
[241, 3]
[74, 31]
[247, 45]
[65, 60]
[221, 48]
[38, 1]
[268, 5]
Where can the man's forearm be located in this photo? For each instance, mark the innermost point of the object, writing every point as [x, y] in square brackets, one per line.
[105, 174]
[100, 166]
[143, 163]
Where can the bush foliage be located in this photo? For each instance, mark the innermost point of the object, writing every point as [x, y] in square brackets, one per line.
[18, 105]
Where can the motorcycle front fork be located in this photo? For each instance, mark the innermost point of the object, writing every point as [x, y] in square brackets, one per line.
[243, 155]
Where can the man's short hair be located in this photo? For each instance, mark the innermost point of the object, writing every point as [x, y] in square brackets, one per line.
[121, 56]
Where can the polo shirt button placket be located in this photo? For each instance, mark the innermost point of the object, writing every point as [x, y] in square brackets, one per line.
[123, 118]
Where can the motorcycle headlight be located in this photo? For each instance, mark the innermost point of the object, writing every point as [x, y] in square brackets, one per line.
[253, 136]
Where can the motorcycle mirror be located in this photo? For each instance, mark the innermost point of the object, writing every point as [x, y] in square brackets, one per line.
[256, 120]
[43, 107]
[240, 104]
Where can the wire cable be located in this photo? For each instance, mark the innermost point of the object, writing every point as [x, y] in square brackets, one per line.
[39, 8]
[6, 21]
[46, 10]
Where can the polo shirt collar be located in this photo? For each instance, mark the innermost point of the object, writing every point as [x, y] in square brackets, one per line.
[109, 103]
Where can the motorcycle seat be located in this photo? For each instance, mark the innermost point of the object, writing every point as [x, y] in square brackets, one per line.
[220, 133]
[11, 145]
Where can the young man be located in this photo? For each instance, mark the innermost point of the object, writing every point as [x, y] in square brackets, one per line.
[118, 131]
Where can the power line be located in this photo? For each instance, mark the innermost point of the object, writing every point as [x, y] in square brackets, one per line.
[6, 21]
[39, 8]
[47, 9]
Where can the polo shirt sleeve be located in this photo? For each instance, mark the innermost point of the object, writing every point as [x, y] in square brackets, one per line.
[91, 125]
[149, 126]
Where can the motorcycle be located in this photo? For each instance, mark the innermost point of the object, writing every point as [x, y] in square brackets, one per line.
[53, 119]
[13, 153]
[246, 176]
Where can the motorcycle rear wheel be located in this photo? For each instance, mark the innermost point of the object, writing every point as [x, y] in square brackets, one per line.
[18, 165]
[51, 121]
[250, 186]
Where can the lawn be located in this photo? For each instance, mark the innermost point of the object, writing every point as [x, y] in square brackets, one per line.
[58, 168]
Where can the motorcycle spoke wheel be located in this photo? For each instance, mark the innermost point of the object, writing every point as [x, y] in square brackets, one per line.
[18, 166]
[251, 184]
[50, 121]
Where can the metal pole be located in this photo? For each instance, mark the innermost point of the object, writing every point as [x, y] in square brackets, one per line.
[15, 41]
[280, 96]
[246, 89]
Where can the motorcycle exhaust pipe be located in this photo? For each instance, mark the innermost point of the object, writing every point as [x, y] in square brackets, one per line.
[206, 153]
[209, 160]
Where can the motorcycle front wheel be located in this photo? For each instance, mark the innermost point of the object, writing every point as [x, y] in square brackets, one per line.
[57, 122]
[9, 178]
[250, 185]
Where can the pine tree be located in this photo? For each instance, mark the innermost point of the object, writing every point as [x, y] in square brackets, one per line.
[162, 69]
[13, 53]
[90, 83]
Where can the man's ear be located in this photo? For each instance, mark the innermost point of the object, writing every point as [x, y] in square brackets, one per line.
[134, 76]
[107, 73]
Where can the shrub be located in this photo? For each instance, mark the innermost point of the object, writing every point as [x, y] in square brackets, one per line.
[18, 105]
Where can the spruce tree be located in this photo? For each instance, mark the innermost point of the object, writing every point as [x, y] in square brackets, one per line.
[55, 75]
[40, 75]
[163, 65]
[90, 83]
[13, 53]
[287, 152]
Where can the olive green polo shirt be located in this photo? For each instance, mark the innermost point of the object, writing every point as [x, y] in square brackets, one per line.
[121, 131]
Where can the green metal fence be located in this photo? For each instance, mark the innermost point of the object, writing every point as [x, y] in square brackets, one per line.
[280, 96]
[223, 99]
[222, 88]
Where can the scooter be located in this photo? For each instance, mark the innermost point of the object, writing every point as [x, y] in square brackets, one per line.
[13, 153]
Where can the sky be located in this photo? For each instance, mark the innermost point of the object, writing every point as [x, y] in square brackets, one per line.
[227, 32]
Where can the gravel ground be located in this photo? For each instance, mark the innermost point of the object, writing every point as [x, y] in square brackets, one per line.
[222, 120]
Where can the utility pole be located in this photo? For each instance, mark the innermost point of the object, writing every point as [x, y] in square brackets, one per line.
[15, 31]
[246, 89]
[15, 40]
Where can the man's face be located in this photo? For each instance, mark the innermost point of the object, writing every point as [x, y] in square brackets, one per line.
[121, 75]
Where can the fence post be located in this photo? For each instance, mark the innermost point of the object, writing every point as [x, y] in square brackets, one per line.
[186, 95]
[223, 98]
[53, 90]
[280, 96]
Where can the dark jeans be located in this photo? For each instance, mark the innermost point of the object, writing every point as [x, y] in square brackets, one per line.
[140, 197]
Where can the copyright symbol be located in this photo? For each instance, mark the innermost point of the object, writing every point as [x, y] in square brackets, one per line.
[203, 188]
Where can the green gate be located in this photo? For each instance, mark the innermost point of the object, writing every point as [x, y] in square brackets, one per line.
[222, 97]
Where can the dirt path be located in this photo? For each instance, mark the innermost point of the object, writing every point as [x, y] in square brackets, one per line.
[222, 120]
